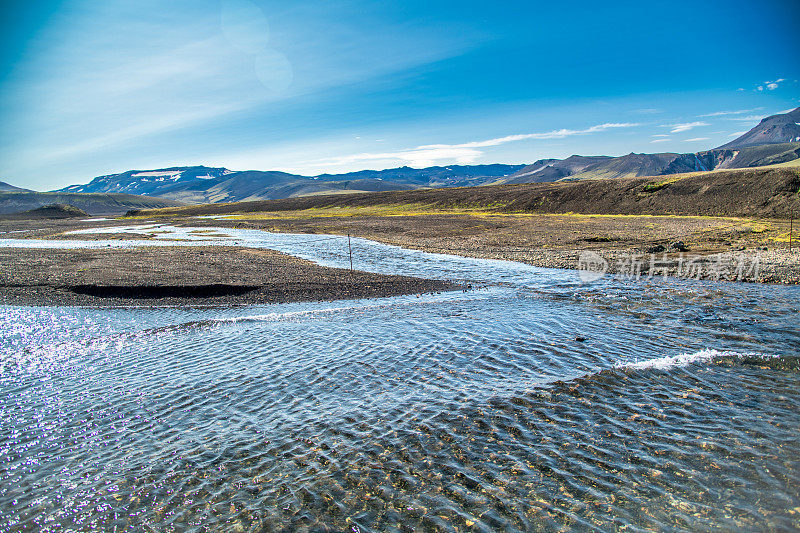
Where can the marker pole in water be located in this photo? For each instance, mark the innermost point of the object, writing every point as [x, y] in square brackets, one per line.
[350, 249]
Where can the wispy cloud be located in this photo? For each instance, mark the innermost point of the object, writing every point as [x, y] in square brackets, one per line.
[726, 113]
[737, 134]
[464, 153]
[684, 126]
[748, 118]
[90, 93]
[695, 139]
[554, 134]
[660, 140]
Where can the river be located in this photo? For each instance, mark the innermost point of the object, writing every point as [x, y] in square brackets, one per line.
[530, 402]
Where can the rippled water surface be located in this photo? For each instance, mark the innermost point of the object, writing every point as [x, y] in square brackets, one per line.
[479, 410]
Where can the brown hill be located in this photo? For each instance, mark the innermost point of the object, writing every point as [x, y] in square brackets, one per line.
[52, 211]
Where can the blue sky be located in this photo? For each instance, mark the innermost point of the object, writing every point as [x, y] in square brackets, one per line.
[93, 87]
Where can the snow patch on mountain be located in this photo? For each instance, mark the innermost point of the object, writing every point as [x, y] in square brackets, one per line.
[157, 173]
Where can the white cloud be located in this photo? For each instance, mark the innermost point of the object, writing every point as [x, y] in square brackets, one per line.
[417, 157]
[463, 153]
[695, 139]
[737, 134]
[724, 113]
[770, 85]
[660, 140]
[659, 135]
[684, 126]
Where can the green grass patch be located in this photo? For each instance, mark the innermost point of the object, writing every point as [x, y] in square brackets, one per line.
[653, 187]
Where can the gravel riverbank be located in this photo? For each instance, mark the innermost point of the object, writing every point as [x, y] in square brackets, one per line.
[185, 276]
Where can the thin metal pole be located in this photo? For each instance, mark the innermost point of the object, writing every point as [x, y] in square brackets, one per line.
[350, 248]
[791, 228]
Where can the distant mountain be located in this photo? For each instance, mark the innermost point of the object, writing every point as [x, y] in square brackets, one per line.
[635, 165]
[449, 176]
[7, 187]
[783, 128]
[94, 204]
[149, 182]
[213, 185]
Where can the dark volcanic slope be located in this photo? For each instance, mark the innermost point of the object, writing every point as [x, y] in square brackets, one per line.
[758, 192]
[94, 204]
[775, 129]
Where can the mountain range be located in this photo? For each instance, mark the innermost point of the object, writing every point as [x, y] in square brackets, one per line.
[776, 139]
[212, 184]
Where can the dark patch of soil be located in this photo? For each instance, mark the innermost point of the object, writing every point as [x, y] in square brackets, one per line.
[145, 292]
